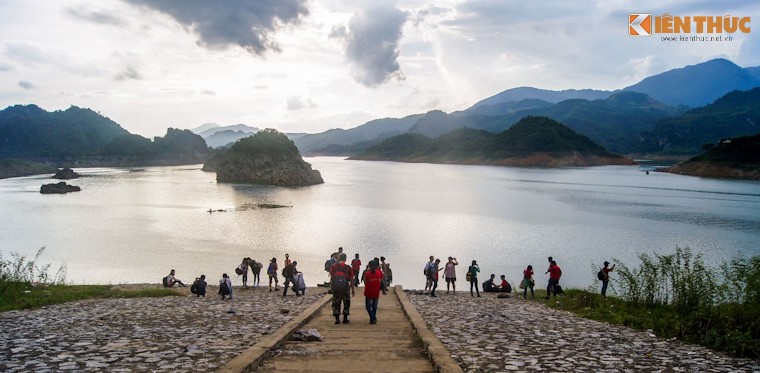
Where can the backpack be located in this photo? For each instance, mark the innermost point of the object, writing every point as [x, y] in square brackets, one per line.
[600, 275]
[194, 287]
[339, 281]
[224, 289]
[257, 266]
[166, 281]
[329, 263]
[271, 270]
[425, 271]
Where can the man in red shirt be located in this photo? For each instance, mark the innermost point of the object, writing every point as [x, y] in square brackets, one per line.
[373, 283]
[356, 265]
[341, 280]
[554, 274]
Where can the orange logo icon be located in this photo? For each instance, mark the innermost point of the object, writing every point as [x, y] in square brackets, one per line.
[639, 24]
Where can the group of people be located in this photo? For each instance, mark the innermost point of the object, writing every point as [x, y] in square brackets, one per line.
[432, 269]
[377, 277]
[344, 278]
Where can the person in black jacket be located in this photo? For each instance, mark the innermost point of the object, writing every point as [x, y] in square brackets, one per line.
[288, 273]
[199, 286]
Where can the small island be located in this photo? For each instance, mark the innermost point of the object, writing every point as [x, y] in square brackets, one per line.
[736, 158]
[532, 142]
[59, 188]
[268, 157]
[65, 174]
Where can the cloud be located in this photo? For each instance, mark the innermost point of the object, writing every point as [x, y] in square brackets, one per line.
[26, 85]
[371, 41]
[296, 103]
[208, 92]
[129, 73]
[98, 17]
[31, 54]
[5, 67]
[220, 24]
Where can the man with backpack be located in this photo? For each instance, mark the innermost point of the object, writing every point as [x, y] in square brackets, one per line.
[604, 276]
[428, 272]
[341, 276]
[199, 286]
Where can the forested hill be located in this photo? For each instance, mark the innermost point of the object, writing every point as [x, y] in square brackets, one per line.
[532, 142]
[731, 158]
[78, 136]
[28, 131]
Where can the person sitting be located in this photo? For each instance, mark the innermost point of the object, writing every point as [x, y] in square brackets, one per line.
[170, 280]
[199, 286]
[489, 286]
[505, 287]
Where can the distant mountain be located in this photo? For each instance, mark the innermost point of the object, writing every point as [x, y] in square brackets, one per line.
[20, 167]
[203, 127]
[532, 142]
[367, 133]
[507, 107]
[616, 122]
[224, 138]
[733, 115]
[235, 127]
[737, 158]
[29, 131]
[754, 71]
[522, 93]
[696, 85]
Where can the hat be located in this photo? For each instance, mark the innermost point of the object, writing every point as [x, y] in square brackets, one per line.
[606, 263]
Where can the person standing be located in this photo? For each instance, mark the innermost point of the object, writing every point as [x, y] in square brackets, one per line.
[385, 267]
[272, 273]
[288, 273]
[450, 273]
[341, 275]
[287, 260]
[356, 266]
[373, 284]
[472, 277]
[528, 282]
[606, 278]
[428, 272]
[256, 269]
[435, 277]
[554, 275]
[243, 270]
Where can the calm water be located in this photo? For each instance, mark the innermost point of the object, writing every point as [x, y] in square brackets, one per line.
[133, 225]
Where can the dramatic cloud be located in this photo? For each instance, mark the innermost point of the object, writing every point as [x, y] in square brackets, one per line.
[371, 39]
[219, 24]
[296, 103]
[98, 17]
[26, 85]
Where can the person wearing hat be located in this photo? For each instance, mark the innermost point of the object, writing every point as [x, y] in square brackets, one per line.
[606, 270]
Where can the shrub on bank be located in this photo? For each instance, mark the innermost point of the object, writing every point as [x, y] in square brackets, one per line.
[25, 284]
[678, 296]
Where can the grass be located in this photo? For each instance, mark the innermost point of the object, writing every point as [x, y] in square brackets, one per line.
[679, 296]
[24, 284]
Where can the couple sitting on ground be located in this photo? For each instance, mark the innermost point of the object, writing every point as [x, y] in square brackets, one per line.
[490, 287]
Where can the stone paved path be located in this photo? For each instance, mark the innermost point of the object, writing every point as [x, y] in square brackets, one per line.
[391, 345]
[496, 335]
[171, 334]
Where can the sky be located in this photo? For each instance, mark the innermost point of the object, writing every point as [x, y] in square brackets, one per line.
[309, 66]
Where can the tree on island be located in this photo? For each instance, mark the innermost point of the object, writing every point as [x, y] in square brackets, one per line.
[268, 157]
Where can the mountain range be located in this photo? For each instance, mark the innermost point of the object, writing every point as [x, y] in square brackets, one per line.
[619, 120]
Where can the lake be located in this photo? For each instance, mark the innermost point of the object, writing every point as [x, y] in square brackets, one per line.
[133, 225]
